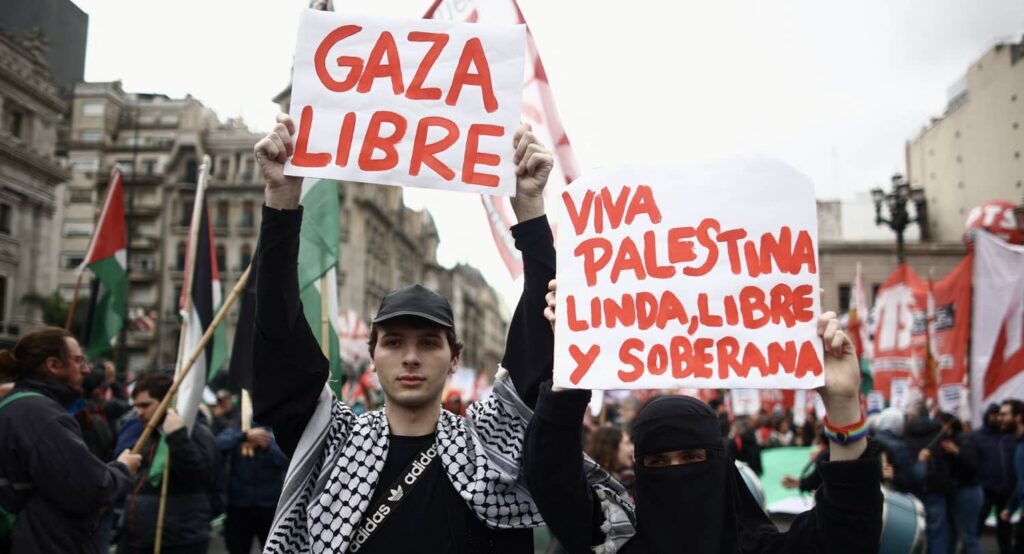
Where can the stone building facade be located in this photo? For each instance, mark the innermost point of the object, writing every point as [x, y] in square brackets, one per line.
[30, 113]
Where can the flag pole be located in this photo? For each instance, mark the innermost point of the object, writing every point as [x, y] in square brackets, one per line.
[74, 302]
[190, 262]
[162, 510]
[207, 337]
[247, 449]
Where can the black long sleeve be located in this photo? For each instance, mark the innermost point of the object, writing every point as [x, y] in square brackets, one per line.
[553, 465]
[530, 345]
[847, 516]
[289, 370]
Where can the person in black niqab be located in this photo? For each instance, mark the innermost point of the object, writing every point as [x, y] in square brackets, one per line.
[689, 495]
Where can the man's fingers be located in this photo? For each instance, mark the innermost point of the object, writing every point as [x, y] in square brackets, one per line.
[286, 138]
[265, 148]
[838, 342]
[523, 128]
[823, 320]
[538, 160]
[524, 143]
[282, 153]
[531, 149]
[550, 315]
[287, 121]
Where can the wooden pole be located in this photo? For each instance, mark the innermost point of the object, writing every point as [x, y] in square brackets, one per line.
[247, 450]
[162, 511]
[190, 263]
[74, 302]
[207, 336]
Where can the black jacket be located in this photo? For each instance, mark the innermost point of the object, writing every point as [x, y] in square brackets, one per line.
[193, 463]
[847, 516]
[288, 374]
[61, 485]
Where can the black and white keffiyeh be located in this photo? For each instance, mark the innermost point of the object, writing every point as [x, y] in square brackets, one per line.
[338, 461]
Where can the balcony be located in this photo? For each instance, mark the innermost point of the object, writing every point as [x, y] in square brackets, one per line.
[143, 242]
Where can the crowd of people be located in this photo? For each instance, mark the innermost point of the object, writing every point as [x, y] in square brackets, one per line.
[70, 482]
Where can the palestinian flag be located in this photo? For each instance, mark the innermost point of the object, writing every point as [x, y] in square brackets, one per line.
[202, 284]
[318, 262]
[107, 258]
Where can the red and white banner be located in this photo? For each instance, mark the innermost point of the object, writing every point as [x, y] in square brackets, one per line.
[905, 330]
[997, 329]
[538, 109]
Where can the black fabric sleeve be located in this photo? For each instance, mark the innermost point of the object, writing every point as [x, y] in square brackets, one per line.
[529, 348]
[192, 458]
[553, 467]
[847, 515]
[289, 369]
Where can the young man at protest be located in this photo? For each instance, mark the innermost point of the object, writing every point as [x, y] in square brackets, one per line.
[48, 477]
[192, 458]
[413, 478]
[689, 496]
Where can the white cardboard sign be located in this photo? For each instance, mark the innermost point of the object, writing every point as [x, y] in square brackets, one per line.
[703, 277]
[415, 102]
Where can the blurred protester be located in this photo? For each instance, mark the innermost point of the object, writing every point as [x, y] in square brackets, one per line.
[224, 413]
[612, 449]
[783, 434]
[722, 414]
[742, 445]
[627, 411]
[897, 461]
[186, 525]
[1012, 414]
[966, 497]
[996, 441]
[932, 476]
[809, 430]
[256, 467]
[51, 485]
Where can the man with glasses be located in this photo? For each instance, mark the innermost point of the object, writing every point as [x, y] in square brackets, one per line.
[52, 489]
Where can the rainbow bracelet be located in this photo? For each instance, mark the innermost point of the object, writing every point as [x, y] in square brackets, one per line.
[849, 433]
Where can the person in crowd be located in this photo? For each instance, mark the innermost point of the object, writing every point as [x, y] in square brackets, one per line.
[932, 476]
[995, 468]
[965, 499]
[224, 414]
[689, 495]
[809, 430]
[783, 434]
[50, 482]
[628, 409]
[724, 423]
[256, 468]
[743, 446]
[1012, 414]
[192, 462]
[612, 449]
[897, 460]
[413, 477]
[810, 479]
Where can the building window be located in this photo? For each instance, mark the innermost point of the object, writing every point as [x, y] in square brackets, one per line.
[78, 228]
[191, 171]
[149, 166]
[222, 215]
[221, 257]
[144, 263]
[844, 296]
[249, 172]
[80, 196]
[248, 214]
[246, 256]
[169, 120]
[91, 137]
[186, 210]
[222, 168]
[181, 256]
[6, 219]
[93, 109]
[176, 299]
[15, 120]
[71, 260]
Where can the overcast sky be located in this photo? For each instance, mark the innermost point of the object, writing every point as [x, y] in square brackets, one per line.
[832, 89]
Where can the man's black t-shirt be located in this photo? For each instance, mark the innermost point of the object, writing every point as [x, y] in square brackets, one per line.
[421, 522]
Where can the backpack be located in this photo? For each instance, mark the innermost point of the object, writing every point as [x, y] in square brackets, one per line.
[7, 518]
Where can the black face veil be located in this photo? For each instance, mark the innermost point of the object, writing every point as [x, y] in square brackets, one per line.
[702, 507]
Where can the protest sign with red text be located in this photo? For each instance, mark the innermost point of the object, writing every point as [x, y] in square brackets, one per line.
[416, 102]
[705, 278]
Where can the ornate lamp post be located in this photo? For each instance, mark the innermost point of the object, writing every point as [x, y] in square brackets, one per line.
[896, 202]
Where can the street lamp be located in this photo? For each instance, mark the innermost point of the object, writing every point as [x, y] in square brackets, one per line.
[896, 201]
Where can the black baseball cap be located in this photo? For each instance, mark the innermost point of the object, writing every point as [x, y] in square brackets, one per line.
[416, 301]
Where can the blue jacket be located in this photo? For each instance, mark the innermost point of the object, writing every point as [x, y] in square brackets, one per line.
[904, 478]
[995, 459]
[256, 480]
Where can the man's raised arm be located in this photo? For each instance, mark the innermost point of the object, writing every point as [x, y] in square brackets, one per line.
[289, 369]
[530, 343]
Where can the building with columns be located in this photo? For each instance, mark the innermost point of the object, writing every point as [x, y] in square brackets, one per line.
[30, 112]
